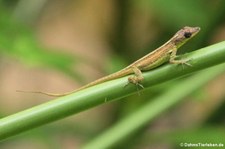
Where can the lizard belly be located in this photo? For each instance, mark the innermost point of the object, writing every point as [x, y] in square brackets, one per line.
[156, 63]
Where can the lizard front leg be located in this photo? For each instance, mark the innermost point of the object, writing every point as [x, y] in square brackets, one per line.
[137, 78]
[174, 61]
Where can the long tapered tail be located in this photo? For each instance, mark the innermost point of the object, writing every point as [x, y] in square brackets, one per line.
[115, 75]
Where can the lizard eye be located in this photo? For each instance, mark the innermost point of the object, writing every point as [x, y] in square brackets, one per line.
[187, 34]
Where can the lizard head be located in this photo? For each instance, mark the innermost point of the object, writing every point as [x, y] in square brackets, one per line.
[184, 35]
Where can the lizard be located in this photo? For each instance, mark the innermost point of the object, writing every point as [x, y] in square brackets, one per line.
[165, 53]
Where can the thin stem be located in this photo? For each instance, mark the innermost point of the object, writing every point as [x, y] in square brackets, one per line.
[105, 92]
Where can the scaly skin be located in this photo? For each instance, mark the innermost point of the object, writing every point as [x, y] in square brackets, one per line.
[167, 52]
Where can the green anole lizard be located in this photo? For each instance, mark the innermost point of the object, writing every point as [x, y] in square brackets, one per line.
[167, 52]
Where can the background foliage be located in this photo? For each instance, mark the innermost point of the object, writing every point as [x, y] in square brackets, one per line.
[58, 45]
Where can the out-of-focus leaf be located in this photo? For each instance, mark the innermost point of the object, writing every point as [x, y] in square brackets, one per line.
[176, 13]
[17, 41]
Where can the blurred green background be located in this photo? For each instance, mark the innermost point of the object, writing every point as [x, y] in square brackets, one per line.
[57, 46]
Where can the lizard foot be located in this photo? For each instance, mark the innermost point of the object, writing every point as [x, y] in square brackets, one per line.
[182, 62]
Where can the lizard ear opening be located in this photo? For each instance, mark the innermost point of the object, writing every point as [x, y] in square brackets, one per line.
[187, 34]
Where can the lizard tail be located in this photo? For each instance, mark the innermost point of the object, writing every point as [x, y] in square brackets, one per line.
[44, 93]
[101, 80]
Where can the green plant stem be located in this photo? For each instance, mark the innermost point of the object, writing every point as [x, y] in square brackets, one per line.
[108, 91]
[143, 115]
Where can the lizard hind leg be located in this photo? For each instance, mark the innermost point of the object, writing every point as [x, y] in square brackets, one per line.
[137, 78]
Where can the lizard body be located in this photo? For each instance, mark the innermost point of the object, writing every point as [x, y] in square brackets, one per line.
[166, 52]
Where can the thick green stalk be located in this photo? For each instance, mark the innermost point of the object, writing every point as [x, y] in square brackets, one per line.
[145, 114]
[108, 91]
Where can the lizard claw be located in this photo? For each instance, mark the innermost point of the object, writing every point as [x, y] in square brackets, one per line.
[185, 62]
[182, 62]
[139, 85]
